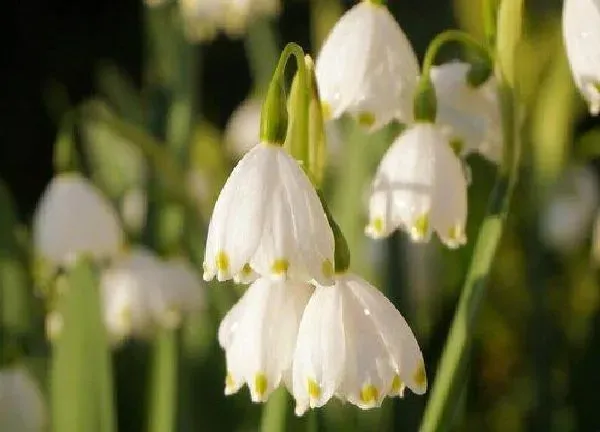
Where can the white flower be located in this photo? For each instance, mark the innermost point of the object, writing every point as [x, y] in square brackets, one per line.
[22, 406]
[469, 115]
[420, 186]
[367, 68]
[140, 291]
[259, 335]
[352, 343]
[269, 219]
[581, 32]
[73, 218]
[203, 18]
[569, 213]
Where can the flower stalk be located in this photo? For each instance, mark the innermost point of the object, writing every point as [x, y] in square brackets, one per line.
[163, 406]
[450, 378]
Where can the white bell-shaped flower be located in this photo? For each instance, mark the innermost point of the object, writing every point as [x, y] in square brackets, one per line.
[73, 218]
[367, 68]
[470, 116]
[568, 215]
[352, 343]
[581, 32]
[140, 292]
[22, 406]
[259, 335]
[420, 186]
[269, 219]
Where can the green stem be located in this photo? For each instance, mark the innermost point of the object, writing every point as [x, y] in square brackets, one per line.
[274, 414]
[490, 10]
[451, 36]
[450, 375]
[163, 406]
[300, 149]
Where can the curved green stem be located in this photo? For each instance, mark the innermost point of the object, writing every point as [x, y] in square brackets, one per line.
[451, 371]
[451, 36]
[300, 149]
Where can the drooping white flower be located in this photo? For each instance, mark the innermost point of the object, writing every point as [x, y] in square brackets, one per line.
[468, 115]
[22, 406]
[419, 187]
[581, 33]
[140, 292]
[269, 219]
[569, 213]
[367, 68]
[259, 335]
[203, 18]
[73, 218]
[352, 343]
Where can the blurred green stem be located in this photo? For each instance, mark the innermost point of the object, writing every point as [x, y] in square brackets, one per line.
[65, 152]
[275, 412]
[262, 48]
[490, 10]
[450, 377]
[81, 376]
[163, 406]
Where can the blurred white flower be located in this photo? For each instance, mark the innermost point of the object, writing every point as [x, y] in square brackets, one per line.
[468, 115]
[420, 186]
[269, 219]
[73, 218]
[367, 68]
[259, 335]
[22, 406]
[354, 344]
[140, 292]
[243, 128]
[198, 183]
[203, 18]
[569, 213]
[581, 33]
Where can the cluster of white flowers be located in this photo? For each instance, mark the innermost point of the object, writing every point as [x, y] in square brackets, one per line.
[202, 19]
[22, 406]
[368, 69]
[139, 290]
[320, 332]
